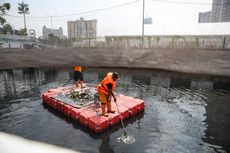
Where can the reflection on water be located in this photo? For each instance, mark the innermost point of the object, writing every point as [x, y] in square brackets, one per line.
[183, 113]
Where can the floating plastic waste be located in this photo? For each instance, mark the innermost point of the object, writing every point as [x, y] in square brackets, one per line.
[127, 139]
[78, 97]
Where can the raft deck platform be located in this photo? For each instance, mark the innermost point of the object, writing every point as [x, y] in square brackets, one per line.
[89, 115]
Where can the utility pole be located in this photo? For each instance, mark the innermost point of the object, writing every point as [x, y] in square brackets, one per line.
[13, 33]
[143, 28]
[51, 23]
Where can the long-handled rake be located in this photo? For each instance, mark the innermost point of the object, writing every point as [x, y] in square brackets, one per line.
[123, 127]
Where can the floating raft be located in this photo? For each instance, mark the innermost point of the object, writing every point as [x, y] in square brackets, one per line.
[89, 115]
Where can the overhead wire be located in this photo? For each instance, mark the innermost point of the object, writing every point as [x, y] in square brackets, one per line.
[111, 7]
[115, 6]
[75, 14]
[190, 3]
[97, 11]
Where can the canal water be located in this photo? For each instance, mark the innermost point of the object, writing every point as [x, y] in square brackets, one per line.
[183, 113]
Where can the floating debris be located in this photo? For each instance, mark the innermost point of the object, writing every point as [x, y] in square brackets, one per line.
[82, 95]
[128, 139]
[78, 97]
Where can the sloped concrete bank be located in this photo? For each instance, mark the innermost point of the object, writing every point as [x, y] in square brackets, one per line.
[194, 61]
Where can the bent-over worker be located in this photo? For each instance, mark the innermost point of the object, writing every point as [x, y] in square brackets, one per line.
[105, 91]
[78, 76]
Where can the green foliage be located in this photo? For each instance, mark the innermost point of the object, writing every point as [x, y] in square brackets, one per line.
[3, 8]
[23, 8]
[52, 39]
[7, 28]
[21, 32]
[2, 20]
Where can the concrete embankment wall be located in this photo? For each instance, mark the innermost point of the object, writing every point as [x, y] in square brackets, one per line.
[195, 61]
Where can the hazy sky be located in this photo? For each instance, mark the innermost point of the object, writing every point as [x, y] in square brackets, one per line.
[168, 16]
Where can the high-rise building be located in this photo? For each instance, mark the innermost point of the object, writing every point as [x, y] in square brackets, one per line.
[82, 28]
[220, 12]
[56, 32]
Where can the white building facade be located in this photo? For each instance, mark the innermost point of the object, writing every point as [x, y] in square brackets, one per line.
[82, 28]
[56, 32]
[220, 12]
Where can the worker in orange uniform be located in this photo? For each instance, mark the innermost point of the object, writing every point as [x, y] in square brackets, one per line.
[78, 76]
[105, 91]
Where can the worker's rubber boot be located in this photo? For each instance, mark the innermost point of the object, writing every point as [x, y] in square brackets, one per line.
[109, 107]
[103, 110]
[81, 84]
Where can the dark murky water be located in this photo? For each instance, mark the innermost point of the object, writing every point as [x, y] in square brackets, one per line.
[183, 113]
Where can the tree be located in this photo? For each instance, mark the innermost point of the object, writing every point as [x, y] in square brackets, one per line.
[3, 8]
[7, 28]
[21, 32]
[52, 39]
[23, 8]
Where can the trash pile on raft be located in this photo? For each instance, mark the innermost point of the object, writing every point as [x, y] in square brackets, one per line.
[78, 97]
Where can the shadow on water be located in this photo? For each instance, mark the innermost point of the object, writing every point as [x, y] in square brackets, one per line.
[94, 135]
[104, 136]
[183, 113]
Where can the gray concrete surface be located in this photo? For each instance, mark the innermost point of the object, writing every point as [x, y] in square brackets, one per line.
[12, 143]
[194, 61]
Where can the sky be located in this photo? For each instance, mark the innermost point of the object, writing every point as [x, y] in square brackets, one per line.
[119, 17]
